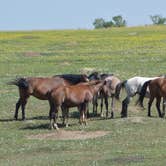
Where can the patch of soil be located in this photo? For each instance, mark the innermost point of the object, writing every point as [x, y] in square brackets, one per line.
[69, 135]
[129, 159]
[137, 119]
[32, 53]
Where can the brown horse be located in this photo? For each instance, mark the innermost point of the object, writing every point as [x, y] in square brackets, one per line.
[39, 87]
[72, 96]
[157, 89]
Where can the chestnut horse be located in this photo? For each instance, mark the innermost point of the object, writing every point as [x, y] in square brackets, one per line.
[157, 89]
[72, 96]
[39, 87]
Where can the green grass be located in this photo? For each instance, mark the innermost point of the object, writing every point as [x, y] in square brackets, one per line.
[126, 52]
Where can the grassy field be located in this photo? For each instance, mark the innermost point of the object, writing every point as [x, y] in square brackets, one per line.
[126, 52]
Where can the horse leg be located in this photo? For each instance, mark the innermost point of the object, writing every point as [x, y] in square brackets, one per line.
[23, 104]
[55, 117]
[95, 105]
[82, 113]
[17, 108]
[106, 105]
[51, 114]
[149, 105]
[164, 104]
[101, 106]
[63, 115]
[67, 117]
[125, 103]
[158, 101]
[85, 113]
[112, 106]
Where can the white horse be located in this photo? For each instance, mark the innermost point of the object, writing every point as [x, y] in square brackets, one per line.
[133, 86]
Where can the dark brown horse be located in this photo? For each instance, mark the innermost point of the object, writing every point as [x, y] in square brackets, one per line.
[39, 87]
[72, 96]
[157, 89]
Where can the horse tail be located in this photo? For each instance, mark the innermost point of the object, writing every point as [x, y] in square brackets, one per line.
[117, 90]
[20, 82]
[142, 93]
[123, 83]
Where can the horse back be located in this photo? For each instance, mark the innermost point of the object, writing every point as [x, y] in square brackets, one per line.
[40, 87]
[157, 87]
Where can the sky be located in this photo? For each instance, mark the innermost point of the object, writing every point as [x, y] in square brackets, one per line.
[74, 14]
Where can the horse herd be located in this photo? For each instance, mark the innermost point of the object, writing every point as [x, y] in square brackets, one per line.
[78, 90]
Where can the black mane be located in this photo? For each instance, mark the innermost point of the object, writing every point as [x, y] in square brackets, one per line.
[73, 78]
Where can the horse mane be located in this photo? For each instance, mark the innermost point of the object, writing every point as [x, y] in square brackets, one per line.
[95, 74]
[104, 75]
[73, 78]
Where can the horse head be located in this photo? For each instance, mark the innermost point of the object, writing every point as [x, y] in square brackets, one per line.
[94, 76]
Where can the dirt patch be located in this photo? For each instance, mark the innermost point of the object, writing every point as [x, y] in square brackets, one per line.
[136, 119]
[129, 159]
[32, 53]
[69, 135]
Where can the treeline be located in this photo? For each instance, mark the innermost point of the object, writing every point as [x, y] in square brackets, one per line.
[119, 21]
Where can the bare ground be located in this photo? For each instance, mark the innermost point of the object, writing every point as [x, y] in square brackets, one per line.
[69, 135]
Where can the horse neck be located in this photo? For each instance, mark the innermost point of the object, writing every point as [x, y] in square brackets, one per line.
[96, 88]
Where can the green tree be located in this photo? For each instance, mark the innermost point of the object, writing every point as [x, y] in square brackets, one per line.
[99, 23]
[119, 21]
[108, 24]
[158, 19]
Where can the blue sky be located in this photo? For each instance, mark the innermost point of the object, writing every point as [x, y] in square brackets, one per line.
[74, 14]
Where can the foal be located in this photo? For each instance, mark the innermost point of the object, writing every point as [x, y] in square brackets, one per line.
[157, 89]
[39, 87]
[72, 96]
[111, 89]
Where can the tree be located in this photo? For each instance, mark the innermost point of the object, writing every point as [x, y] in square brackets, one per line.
[119, 21]
[99, 23]
[158, 19]
[108, 24]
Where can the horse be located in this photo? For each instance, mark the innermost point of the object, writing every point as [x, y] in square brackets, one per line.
[72, 96]
[40, 86]
[157, 89]
[111, 89]
[133, 86]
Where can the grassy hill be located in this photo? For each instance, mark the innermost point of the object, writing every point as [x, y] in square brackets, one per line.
[126, 52]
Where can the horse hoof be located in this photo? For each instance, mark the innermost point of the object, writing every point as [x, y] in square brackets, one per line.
[55, 126]
[123, 116]
[15, 118]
